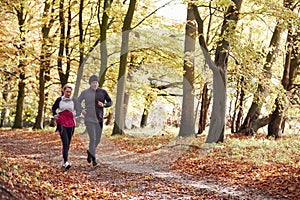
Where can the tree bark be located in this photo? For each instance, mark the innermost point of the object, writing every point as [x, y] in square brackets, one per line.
[45, 62]
[240, 107]
[18, 122]
[81, 49]
[4, 109]
[119, 114]
[219, 68]
[144, 118]
[205, 101]
[62, 39]
[292, 60]
[251, 122]
[103, 45]
[187, 127]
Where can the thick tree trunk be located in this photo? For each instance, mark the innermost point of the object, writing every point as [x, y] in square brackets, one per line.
[18, 122]
[187, 117]
[219, 68]
[292, 60]
[251, 123]
[276, 120]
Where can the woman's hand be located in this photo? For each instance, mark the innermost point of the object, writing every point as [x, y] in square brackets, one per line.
[83, 112]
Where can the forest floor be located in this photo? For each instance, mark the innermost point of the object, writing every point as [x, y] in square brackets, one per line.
[156, 167]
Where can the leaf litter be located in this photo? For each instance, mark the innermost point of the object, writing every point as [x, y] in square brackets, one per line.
[30, 169]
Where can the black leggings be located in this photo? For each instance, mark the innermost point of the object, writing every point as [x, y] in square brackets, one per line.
[66, 134]
[94, 130]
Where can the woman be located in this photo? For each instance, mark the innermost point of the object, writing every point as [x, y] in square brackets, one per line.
[68, 108]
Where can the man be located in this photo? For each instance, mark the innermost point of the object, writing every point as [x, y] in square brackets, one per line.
[96, 99]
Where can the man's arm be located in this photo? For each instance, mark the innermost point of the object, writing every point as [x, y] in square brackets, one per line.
[78, 107]
[108, 101]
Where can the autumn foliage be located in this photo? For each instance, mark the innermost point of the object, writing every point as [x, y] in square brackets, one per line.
[131, 168]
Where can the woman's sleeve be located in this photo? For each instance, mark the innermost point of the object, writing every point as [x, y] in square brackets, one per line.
[55, 106]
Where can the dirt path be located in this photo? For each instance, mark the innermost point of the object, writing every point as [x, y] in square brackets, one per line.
[120, 175]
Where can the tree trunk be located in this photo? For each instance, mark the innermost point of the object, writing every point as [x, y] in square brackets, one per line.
[40, 117]
[119, 115]
[205, 101]
[4, 109]
[62, 40]
[144, 118]
[81, 49]
[103, 45]
[219, 68]
[240, 107]
[276, 120]
[187, 127]
[125, 108]
[45, 64]
[18, 122]
[291, 65]
[251, 123]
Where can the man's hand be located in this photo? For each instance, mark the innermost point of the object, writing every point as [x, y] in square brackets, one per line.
[100, 104]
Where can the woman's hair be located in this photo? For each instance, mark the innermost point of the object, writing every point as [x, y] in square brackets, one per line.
[68, 85]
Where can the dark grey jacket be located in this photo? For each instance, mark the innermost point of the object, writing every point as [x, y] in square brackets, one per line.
[91, 98]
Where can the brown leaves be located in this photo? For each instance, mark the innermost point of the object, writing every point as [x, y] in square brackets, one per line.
[30, 169]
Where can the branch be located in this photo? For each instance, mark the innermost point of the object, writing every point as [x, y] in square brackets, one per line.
[149, 15]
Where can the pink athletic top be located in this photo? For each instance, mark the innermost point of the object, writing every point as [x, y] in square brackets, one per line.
[66, 119]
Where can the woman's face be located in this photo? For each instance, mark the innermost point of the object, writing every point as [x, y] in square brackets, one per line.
[94, 85]
[68, 92]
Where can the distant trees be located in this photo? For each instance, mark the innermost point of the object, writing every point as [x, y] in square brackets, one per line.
[248, 49]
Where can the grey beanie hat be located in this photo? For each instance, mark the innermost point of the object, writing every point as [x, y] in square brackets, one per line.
[93, 78]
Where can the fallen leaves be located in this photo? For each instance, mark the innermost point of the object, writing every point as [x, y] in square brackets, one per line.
[30, 169]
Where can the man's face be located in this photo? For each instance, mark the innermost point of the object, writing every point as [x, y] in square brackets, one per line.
[94, 85]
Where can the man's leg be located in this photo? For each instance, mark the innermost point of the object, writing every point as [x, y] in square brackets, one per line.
[90, 127]
[98, 133]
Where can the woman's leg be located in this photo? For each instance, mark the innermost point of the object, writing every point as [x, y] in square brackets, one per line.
[65, 142]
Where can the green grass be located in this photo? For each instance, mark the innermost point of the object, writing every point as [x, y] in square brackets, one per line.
[261, 151]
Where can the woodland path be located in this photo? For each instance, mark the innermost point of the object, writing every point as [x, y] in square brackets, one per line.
[120, 174]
